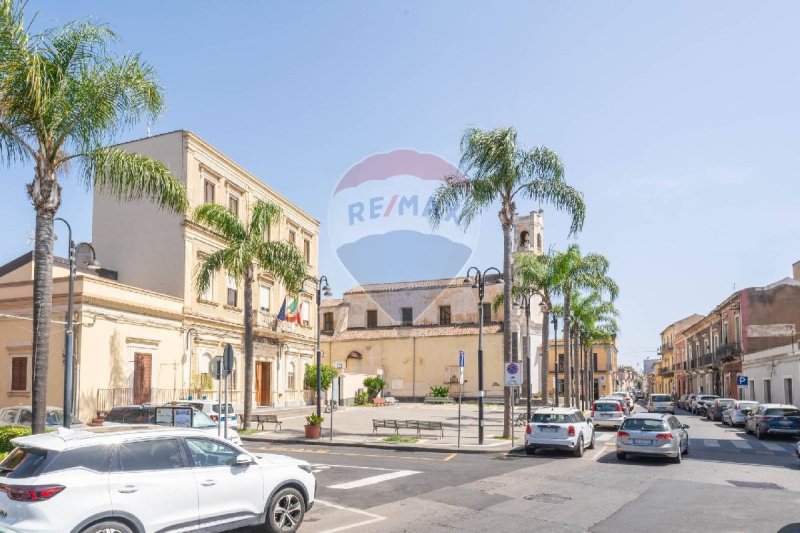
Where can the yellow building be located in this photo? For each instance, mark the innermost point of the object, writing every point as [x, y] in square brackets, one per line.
[603, 361]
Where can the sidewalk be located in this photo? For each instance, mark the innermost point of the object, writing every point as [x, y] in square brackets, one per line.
[352, 426]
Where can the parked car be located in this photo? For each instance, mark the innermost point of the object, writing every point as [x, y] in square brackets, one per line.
[715, 408]
[652, 434]
[661, 403]
[639, 394]
[699, 406]
[128, 479]
[687, 404]
[607, 413]
[559, 428]
[773, 419]
[182, 416]
[619, 399]
[23, 414]
[736, 414]
[627, 396]
[212, 409]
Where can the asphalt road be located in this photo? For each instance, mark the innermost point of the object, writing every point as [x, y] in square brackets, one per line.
[729, 481]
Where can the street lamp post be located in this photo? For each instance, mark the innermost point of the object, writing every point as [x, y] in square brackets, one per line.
[525, 299]
[479, 282]
[555, 354]
[320, 284]
[69, 344]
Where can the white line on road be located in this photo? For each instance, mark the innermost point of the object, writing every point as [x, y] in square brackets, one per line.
[373, 479]
[774, 446]
[373, 517]
[602, 437]
[742, 445]
[711, 443]
[353, 466]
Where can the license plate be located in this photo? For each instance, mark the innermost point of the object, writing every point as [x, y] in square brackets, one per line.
[606, 415]
[551, 430]
[785, 423]
[642, 442]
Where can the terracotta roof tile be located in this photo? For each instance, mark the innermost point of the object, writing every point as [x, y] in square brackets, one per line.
[443, 283]
[414, 331]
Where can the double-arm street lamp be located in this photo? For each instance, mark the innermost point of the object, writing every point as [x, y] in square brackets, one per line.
[68, 332]
[479, 282]
[524, 300]
[322, 287]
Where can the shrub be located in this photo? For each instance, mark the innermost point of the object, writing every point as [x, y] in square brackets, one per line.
[361, 398]
[314, 419]
[327, 373]
[374, 385]
[440, 391]
[11, 432]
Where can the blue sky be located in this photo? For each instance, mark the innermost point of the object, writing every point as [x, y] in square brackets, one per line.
[678, 120]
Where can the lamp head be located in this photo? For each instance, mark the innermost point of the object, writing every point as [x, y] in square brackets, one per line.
[94, 264]
[326, 290]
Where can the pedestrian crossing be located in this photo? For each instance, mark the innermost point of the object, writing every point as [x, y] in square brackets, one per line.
[733, 445]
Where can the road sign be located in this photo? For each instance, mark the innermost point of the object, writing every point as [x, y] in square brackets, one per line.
[601, 379]
[742, 381]
[461, 358]
[513, 375]
[228, 361]
[215, 367]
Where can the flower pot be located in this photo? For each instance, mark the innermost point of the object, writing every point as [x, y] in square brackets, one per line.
[313, 432]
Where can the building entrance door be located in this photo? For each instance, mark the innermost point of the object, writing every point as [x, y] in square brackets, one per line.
[263, 379]
[142, 377]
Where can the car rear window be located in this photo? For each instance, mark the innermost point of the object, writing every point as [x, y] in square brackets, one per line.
[661, 398]
[24, 462]
[550, 418]
[706, 398]
[95, 458]
[644, 424]
[743, 406]
[215, 408]
[780, 411]
[606, 406]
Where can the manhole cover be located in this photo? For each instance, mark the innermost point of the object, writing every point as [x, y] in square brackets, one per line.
[547, 498]
[754, 485]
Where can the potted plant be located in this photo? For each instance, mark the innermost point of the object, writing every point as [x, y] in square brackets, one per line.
[313, 426]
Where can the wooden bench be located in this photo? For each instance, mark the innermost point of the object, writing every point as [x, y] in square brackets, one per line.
[378, 402]
[431, 399]
[388, 424]
[260, 420]
[426, 425]
[418, 425]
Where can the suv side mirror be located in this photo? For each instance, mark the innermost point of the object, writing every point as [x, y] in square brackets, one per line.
[243, 460]
[685, 426]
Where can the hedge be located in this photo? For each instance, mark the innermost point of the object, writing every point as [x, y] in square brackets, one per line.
[11, 432]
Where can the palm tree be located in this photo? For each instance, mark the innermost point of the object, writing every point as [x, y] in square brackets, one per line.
[62, 99]
[494, 169]
[246, 250]
[579, 273]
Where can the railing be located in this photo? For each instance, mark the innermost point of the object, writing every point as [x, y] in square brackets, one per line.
[679, 366]
[665, 370]
[666, 346]
[729, 350]
[109, 398]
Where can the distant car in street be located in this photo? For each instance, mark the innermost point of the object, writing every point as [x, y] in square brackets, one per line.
[212, 409]
[607, 413]
[773, 419]
[689, 401]
[629, 401]
[715, 408]
[559, 428]
[23, 414]
[619, 399]
[699, 406]
[181, 416]
[682, 401]
[652, 434]
[661, 403]
[638, 394]
[736, 413]
[136, 479]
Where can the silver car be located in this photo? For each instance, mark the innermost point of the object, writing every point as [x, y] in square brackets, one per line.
[661, 403]
[607, 413]
[22, 415]
[736, 414]
[652, 434]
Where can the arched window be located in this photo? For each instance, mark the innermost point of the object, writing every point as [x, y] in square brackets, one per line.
[290, 376]
[524, 239]
[539, 241]
[206, 382]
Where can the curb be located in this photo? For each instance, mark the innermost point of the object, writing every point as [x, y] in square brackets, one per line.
[387, 446]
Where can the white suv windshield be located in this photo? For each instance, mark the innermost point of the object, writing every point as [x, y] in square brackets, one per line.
[553, 418]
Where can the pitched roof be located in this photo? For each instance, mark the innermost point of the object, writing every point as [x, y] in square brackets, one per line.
[443, 283]
[27, 257]
[402, 332]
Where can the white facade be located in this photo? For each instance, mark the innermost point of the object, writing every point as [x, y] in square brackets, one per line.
[774, 375]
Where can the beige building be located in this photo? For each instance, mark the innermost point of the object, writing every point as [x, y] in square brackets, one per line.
[164, 250]
[603, 363]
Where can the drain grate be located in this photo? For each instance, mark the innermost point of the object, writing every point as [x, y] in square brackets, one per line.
[754, 484]
[547, 498]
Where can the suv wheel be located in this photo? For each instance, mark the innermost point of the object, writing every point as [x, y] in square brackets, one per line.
[286, 511]
[591, 442]
[530, 450]
[621, 456]
[759, 434]
[677, 458]
[579, 448]
[108, 526]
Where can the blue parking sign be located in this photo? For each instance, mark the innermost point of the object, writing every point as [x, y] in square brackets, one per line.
[461, 358]
[742, 381]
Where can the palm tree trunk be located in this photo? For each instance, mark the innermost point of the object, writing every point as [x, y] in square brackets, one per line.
[507, 226]
[544, 370]
[567, 362]
[249, 356]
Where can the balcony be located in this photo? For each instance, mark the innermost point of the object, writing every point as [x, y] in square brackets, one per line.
[666, 347]
[679, 366]
[728, 352]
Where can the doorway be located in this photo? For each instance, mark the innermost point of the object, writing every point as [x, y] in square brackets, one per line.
[263, 380]
[142, 377]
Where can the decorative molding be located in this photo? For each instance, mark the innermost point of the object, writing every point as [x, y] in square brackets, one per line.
[138, 341]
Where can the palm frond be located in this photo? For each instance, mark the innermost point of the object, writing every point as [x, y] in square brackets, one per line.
[207, 268]
[264, 215]
[128, 176]
[284, 261]
[219, 219]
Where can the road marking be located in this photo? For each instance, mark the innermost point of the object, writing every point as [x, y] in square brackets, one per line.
[373, 480]
[774, 446]
[356, 467]
[326, 452]
[450, 456]
[372, 517]
[602, 437]
[742, 445]
[711, 443]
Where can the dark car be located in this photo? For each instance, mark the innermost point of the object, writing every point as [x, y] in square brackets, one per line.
[773, 419]
[717, 407]
[701, 403]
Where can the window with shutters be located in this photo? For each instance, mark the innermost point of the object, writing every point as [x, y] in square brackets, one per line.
[304, 311]
[264, 298]
[290, 384]
[233, 292]
[307, 251]
[594, 362]
[208, 192]
[407, 318]
[292, 236]
[19, 374]
[208, 294]
[233, 204]
[487, 313]
[372, 318]
[327, 322]
[444, 315]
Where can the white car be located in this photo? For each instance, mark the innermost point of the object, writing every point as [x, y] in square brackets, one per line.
[138, 479]
[212, 409]
[607, 413]
[182, 416]
[560, 428]
[22, 415]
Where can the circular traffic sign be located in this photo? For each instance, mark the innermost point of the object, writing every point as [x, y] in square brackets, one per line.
[513, 368]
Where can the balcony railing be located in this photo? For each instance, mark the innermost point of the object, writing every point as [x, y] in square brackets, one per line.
[728, 351]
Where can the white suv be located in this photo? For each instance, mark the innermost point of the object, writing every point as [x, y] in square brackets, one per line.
[560, 428]
[137, 479]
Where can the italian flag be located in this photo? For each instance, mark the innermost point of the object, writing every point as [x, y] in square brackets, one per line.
[291, 313]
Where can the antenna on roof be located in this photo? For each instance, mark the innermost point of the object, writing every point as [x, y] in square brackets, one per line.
[148, 129]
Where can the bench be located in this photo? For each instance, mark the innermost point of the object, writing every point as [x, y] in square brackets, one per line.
[260, 420]
[397, 425]
[378, 402]
[432, 399]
